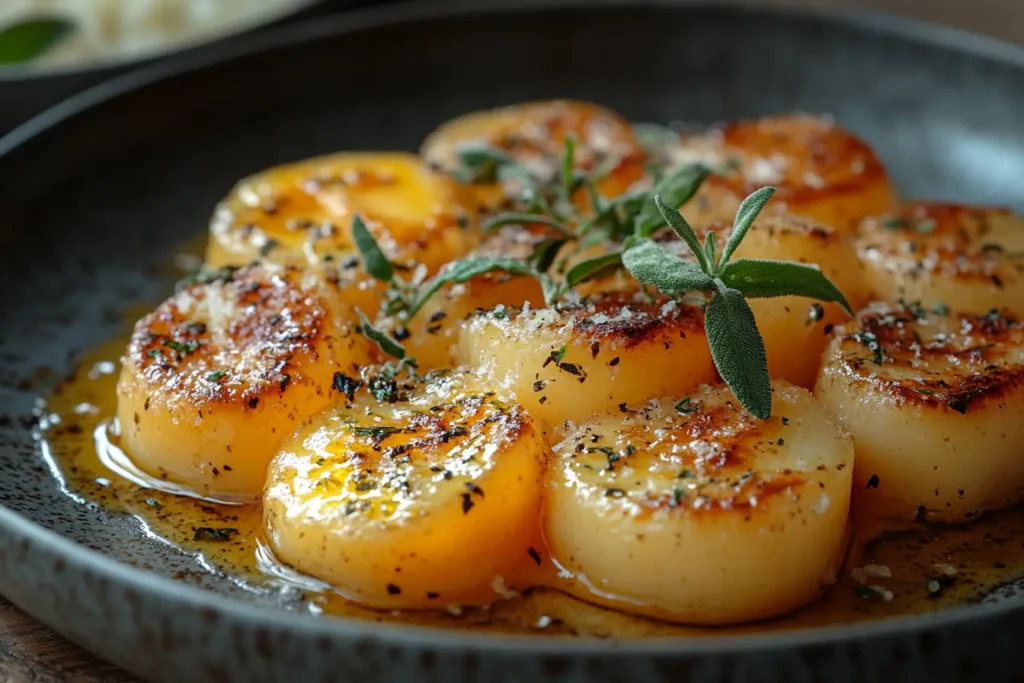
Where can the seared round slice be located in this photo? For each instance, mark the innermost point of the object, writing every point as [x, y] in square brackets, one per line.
[219, 374]
[580, 359]
[821, 170]
[533, 135]
[690, 510]
[302, 212]
[965, 258]
[420, 495]
[793, 328]
[935, 404]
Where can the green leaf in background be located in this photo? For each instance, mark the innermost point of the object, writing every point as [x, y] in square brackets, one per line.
[480, 163]
[513, 218]
[544, 253]
[764, 279]
[24, 41]
[386, 343]
[685, 232]
[652, 264]
[374, 260]
[738, 351]
[745, 215]
[585, 270]
[466, 269]
[674, 190]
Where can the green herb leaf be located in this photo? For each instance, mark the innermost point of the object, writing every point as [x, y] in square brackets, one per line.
[710, 246]
[466, 269]
[765, 279]
[652, 264]
[738, 351]
[568, 159]
[684, 406]
[385, 342]
[544, 253]
[25, 40]
[685, 232]
[526, 219]
[374, 260]
[675, 190]
[480, 163]
[216, 375]
[654, 137]
[745, 215]
[585, 270]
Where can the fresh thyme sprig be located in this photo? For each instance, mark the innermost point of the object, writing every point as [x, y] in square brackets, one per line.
[735, 342]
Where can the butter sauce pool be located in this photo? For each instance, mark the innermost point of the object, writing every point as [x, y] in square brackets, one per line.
[922, 568]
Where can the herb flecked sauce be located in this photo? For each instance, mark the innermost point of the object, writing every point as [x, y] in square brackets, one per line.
[890, 573]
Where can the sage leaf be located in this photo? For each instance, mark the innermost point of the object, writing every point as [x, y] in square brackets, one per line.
[480, 163]
[384, 341]
[585, 270]
[568, 164]
[374, 260]
[764, 279]
[675, 190]
[652, 264]
[709, 246]
[23, 41]
[745, 215]
[544, 253]
[513, 218]
[738, 351]
[685, 232]
[466, 269]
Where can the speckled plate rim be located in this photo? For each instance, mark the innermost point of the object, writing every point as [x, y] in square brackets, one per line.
[20, 530]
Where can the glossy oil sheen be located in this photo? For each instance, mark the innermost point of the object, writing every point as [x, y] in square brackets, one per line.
[90, 201]
[985, 555]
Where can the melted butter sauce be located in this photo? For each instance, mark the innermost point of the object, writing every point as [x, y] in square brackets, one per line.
[227, 538]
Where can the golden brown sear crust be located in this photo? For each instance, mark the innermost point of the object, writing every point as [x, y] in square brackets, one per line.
[949, 362]
[625, 319]
[710, 454]
[833, 161]
[235, 336]
[954, 240]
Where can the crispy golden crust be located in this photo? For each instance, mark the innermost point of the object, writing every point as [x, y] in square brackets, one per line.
[534, 135]
[395, 444]
[954, 362]
[602, 319]
[237, 338]
[701, 460]
[302, 213]
[958, 242]
[832, 161]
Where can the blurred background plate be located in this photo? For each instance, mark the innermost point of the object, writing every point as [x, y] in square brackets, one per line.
[146, 30]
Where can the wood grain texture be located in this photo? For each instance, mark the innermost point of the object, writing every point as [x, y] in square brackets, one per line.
[32, 653]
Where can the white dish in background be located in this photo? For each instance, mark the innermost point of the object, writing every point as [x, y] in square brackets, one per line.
[106, 32]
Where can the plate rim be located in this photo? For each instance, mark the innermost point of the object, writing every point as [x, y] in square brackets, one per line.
[20, 528]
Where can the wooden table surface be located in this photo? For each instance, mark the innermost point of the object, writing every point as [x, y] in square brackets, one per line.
[30, 652]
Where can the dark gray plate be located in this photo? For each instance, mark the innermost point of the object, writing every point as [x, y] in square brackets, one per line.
[95, 192]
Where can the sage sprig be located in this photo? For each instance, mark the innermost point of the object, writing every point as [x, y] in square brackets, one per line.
[735, 342]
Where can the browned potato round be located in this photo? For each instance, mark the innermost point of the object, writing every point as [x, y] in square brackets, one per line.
[965, 258]
[935, 404]
[302, 213]
[821, 170]
[534, 134]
